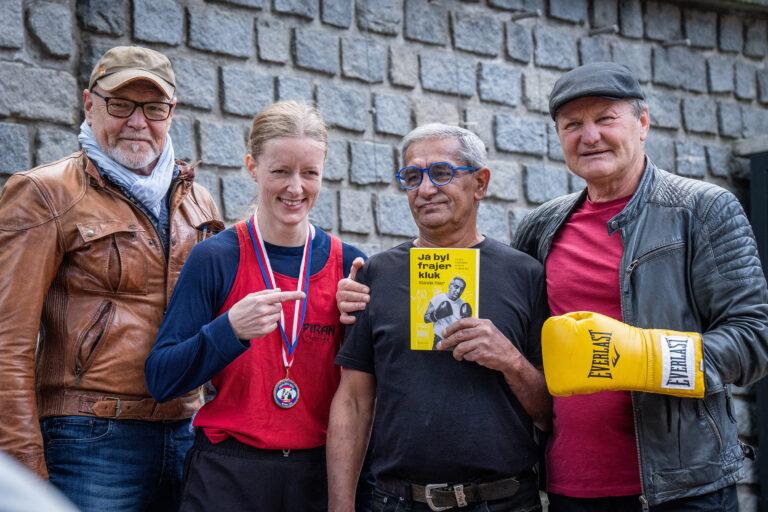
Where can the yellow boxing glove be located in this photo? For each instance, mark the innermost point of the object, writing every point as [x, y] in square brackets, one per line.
[587, 352]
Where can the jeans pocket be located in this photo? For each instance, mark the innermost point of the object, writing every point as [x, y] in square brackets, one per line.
[384, 502]
[75, 429]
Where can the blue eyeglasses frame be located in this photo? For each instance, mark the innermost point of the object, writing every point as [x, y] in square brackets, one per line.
[428, 171]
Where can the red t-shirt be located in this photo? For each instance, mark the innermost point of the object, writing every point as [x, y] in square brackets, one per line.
[592, 452]
[244, 407]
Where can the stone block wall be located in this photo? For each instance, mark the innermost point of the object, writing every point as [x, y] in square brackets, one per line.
[376, 69]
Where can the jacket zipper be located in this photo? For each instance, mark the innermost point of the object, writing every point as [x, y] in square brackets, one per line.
[652, 254]
[642, 498]
[711, 420]
[102, 314]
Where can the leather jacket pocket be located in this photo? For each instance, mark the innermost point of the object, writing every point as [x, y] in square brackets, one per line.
[113, 257]
[208, 228]
[90, 340]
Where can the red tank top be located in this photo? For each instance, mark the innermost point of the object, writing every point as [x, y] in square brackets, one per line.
[243, 407]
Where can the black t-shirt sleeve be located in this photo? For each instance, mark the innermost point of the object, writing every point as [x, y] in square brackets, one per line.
[539, 313]
[357, 350]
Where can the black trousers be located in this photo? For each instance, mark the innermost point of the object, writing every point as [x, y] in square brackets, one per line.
[724, 500]
[233, 476]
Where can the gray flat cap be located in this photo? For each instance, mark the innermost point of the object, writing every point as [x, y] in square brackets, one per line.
[604, 79]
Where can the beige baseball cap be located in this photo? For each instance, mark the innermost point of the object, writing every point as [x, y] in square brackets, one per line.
[124, 64]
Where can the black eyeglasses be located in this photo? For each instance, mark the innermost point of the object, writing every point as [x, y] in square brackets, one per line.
[122, 108]
[440, 174]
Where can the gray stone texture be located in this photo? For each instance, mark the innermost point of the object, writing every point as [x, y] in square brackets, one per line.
[731, 33]
[393, 114]
[212, 183]
[574, 11]
[51, 24]
[756, 37]
[426, 22]
[246, 93]
[536, 87]
[294, 88]
[594, 49]
[393, 217]
[544, 182]
[447, 73]
[356, 213]
[517, 134]
[661, 150]
[555, 48]
[323, 213]
[238, 195]
[519, 42]
[382, 16]
[196, 82]
[701, 28]
[505, 180]
[518, 5]
[605, 13]
[700, 114]
[631, 18]
[36, 93]
[343, 107]
[158, 21]
[680, 68]
[636, 56]
[403, 66]
[256, 4]
[218, 30]
[337, 161]
[477, 34]
[221, 143]
[729, 119]
[746, 88]
[720, 73]
[576, 183]
[93, 47]
[55, 143]
[304, 8]
[430, 110]
[316, 50]
[363, 58]
[516, 217]
[499, 84]
[554, 149]
[762, 85]
[719, 161]
[273, 38]
[102, 16]
[493, 221]
[662, 21]
[479, 120]
[664, 109]
[691, 159]
[371, 163]
[337, 13]
[14, 148]
[183, 136]
[755, 120]
[12, 27]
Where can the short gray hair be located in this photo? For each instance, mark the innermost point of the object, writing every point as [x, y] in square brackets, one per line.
[471, 148]
[638, 106]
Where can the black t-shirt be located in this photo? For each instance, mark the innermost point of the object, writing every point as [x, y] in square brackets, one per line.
[438, 419]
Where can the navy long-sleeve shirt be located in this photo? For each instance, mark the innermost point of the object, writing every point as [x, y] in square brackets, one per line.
[193, 344]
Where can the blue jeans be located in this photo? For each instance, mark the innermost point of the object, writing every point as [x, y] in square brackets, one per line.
[117, 465]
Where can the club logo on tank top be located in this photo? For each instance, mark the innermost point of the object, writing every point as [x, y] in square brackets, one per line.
[318, 333]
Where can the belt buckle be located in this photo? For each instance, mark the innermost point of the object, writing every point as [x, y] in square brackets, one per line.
[428, 496]
[118, 405]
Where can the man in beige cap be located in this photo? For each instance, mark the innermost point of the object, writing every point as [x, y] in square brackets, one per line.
[91, 248]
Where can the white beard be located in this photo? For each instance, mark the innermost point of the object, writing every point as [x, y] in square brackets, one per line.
[133, 158]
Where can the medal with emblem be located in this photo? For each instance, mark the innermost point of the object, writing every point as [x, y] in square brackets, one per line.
[286, 391]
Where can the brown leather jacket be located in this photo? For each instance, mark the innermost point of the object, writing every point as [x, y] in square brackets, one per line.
[85, 268]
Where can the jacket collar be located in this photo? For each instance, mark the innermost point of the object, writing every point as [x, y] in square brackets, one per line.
[639, 197]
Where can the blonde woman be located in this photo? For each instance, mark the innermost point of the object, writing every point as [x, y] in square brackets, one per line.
[255, 313]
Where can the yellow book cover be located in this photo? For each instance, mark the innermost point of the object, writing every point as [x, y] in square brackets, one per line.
[444, 288]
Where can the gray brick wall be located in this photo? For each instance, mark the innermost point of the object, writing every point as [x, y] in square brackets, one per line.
[377, 68]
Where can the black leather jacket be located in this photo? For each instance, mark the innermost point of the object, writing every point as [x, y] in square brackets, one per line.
[689, 263]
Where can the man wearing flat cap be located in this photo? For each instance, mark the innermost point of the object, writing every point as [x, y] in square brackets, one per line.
[674, 258]
[92, 245]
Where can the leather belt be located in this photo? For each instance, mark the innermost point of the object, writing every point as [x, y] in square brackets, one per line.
[446, 496]
[78, 403]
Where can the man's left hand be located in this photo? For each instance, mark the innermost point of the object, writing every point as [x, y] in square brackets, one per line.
[479, 341]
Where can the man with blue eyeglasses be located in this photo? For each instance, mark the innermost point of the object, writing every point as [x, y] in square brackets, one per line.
[453, 427]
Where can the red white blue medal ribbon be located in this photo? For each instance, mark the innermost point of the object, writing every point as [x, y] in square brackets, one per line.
[289, 345]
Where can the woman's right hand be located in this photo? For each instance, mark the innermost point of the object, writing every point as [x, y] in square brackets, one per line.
[257, 314]
[351, 296]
